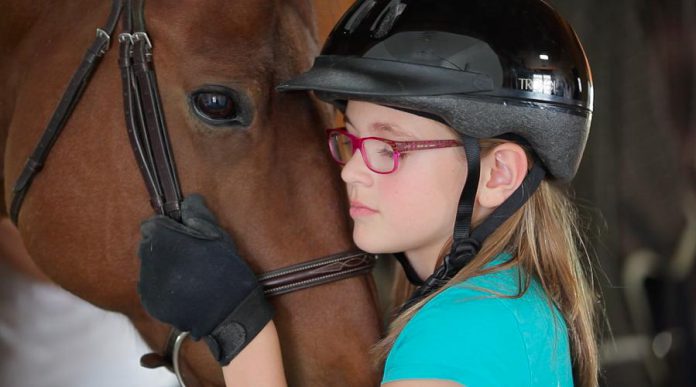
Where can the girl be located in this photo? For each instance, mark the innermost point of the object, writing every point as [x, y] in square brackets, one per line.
[463, 120]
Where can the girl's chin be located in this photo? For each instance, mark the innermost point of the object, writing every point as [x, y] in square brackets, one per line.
[368, 248]
[365, 243]
[372, 244]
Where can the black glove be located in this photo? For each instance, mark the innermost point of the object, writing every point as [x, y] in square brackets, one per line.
[192, 278]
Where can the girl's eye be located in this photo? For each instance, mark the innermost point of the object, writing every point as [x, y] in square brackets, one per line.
[386, 151]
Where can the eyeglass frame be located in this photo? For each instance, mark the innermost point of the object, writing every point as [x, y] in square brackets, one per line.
[399, 147]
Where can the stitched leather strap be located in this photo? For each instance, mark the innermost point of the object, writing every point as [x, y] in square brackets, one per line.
[316, 272]
[144, 116]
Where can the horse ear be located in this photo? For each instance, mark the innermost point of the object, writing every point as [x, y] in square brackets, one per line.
[327, 14]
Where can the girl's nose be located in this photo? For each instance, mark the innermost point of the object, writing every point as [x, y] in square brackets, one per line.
[355, 170]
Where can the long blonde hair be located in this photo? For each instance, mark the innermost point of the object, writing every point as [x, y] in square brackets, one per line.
[545, 241]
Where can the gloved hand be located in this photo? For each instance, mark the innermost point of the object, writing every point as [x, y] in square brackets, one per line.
[192, 278]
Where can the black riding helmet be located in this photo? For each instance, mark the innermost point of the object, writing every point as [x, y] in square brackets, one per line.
[487, 68]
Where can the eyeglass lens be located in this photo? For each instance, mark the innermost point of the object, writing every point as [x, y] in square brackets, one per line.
[378, 155]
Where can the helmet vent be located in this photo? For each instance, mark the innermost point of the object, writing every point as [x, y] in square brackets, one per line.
[359, 15]
[386, 19]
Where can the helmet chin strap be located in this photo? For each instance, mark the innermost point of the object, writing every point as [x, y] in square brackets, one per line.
[411, 273]
[466, 242]
[465, 209]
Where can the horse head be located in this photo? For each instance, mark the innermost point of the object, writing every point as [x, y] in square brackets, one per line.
[257, 156]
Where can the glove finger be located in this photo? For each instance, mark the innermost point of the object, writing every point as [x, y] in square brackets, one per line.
[194, 206]
[210, 230]
[155, 225]
[148, 227]
[196, 215]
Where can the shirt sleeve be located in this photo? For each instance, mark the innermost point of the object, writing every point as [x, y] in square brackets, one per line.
[462, 335]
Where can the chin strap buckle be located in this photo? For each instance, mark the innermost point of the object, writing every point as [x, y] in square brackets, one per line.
[462, 252]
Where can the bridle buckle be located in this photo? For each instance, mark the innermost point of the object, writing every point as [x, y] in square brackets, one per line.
[107, 41]
[125, 37]
[141, 35]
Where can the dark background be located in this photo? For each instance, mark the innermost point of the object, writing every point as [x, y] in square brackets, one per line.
[637, 184]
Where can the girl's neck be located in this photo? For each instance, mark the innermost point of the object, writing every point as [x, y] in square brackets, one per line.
[424, 259]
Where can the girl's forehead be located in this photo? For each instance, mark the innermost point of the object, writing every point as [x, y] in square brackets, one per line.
[379, 127]
[365, 117]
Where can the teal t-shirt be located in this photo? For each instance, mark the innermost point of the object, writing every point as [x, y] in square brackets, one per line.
[470, 336]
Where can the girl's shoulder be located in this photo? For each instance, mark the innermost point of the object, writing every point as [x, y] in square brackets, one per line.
[479, 333]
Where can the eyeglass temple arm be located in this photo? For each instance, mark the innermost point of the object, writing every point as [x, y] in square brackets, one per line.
[408, 146]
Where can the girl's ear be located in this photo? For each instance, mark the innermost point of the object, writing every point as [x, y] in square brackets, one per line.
[502, 171]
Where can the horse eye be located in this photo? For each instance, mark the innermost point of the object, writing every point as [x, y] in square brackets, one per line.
[216, 107]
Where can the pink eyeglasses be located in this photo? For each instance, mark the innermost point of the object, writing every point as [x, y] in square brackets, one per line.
[379, 154]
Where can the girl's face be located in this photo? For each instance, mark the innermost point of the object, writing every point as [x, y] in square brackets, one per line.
[413, 209]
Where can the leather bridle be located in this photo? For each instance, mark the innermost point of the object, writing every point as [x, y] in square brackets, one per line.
[147, 129]
[149, 140]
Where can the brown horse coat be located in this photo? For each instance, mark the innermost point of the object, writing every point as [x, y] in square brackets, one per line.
[271, 183]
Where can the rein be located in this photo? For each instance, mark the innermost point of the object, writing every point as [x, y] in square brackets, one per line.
[149, 138]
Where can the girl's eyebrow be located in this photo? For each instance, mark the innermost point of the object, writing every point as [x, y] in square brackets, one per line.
[380, 126]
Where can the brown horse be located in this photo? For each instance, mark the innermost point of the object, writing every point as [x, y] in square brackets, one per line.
[270, 181]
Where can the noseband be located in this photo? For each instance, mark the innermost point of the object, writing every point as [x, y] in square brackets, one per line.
[149, 138]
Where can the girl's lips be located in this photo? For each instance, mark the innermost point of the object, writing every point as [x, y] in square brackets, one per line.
[358, 209]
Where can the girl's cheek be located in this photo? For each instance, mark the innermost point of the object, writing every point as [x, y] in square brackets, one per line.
[406, 197]
[397, 190]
